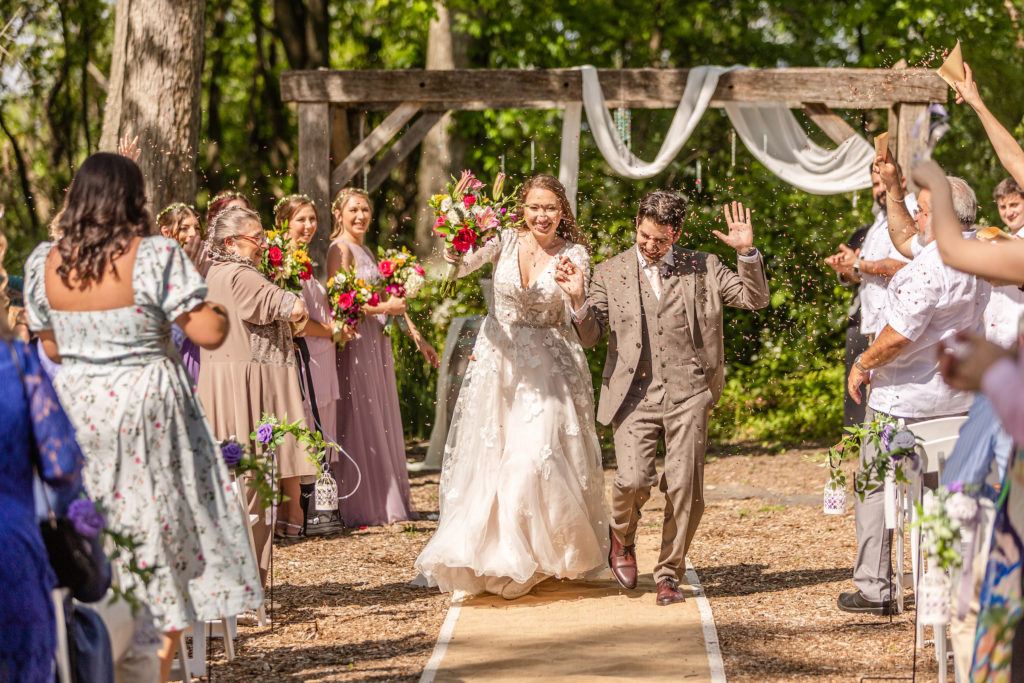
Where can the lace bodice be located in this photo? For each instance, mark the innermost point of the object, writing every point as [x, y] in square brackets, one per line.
[543, 303]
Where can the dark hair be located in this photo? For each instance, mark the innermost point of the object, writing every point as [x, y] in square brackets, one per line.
[171, 218]
[663, 208]
[288, 206]
[105, 209]
[220, 202]
[567, 228]
[1005, 188]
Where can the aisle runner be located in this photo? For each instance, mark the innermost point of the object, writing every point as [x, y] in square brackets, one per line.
[581, 631]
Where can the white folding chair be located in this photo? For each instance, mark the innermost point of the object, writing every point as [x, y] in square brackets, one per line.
[63, 654]
[251, 521]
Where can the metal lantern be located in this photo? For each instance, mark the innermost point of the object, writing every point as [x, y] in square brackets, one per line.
[933, 599]
[835, 499]
[326, 491]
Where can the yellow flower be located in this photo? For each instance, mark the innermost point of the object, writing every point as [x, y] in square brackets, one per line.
[271, 235]
[300, 255]
[438, 198]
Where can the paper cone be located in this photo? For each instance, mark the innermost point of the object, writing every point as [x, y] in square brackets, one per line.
[882, 143]
[953, 68]
[993, 234]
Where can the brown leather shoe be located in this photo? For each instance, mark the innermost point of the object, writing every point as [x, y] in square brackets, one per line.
[668, 592]
[622, 561]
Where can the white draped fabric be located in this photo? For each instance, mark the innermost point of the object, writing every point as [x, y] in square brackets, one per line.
[770, 131]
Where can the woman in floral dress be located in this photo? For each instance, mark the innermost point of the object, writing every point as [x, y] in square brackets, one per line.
[102, 300]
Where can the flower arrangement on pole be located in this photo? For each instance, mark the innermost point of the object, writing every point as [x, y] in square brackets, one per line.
[271, 432]
[347, 294]
[285, 264]
[466, 218]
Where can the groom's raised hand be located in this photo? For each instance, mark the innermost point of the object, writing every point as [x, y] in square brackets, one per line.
[741, 230]
[569, 277]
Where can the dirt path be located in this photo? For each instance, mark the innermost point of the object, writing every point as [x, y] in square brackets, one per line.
[771, 564]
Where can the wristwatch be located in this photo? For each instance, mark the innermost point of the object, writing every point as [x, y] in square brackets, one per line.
[856, 364]
[856, 266]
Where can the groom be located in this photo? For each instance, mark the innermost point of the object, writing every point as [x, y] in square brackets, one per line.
[661, 305]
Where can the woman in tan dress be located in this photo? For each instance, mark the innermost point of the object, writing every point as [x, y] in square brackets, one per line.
[254, 371]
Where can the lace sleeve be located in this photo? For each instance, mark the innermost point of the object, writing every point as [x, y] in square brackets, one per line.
[488, 253]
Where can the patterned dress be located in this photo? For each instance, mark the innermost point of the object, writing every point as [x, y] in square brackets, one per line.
[151, 458]
[36, 433]
[522, 488]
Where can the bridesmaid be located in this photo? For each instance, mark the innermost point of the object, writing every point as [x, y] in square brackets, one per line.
[180, 222]
[369, 421]
[297, 214]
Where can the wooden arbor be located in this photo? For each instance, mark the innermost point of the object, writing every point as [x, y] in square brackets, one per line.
[321, 95]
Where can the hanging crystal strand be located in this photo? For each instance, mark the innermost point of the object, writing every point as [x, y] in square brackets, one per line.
[855, 194]
[732, 151]
[502, 157]
[531, 156]
[698, 175]
[620, 126]
[629, 129]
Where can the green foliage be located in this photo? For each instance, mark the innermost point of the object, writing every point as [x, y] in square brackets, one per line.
[784, 380]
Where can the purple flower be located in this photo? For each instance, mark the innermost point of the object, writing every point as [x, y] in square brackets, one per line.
[955, 487]
[264, 433]
[886, 436]
[87, 519]
[232, 453]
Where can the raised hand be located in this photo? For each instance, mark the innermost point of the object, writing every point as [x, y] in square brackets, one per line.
[127, 147]
[967, 90]
[964, 362]
[843, 261]
[741, 230]
[928, 175]
[569, 277]
[885, 166]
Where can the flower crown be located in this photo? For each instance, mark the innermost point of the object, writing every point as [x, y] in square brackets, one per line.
[172, 207]
[224, 194]
[289, 197]
[344, 194]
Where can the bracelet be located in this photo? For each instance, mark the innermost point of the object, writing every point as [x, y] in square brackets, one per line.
[897, 200]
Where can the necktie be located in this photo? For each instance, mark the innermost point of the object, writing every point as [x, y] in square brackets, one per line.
[654, 277]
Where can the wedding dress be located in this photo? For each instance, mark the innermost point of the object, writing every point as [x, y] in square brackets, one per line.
[522, 488]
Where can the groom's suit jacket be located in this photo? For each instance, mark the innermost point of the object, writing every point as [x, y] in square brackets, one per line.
[688, 327]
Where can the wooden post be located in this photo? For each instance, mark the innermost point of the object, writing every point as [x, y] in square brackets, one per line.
[912, 136]
[315, 175]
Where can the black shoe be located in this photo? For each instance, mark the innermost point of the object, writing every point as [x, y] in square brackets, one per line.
[856, 603]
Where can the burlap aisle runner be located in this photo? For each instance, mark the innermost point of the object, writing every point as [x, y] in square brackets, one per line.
[581, 631]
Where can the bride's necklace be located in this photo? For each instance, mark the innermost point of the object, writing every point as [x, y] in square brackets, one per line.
[536, 252]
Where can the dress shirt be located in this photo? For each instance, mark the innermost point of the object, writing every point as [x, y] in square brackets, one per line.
[926, 302]
[1003, 312]
[878, 246]
[667, 261]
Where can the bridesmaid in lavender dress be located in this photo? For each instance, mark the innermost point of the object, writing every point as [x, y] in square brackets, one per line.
[369, 421]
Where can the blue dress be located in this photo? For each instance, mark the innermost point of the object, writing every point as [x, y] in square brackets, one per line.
[43, 437]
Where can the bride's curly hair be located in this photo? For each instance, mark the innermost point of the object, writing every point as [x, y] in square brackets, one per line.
[567, 228]
[105, 209]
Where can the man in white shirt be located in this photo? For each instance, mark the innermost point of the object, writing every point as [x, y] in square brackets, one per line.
[926, 303]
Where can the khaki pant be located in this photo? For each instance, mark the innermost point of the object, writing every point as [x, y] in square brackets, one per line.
[639, 426]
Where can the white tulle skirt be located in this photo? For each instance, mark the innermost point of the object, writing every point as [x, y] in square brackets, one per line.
[522, 488]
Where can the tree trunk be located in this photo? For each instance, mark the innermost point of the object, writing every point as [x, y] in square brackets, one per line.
[441, 151]
[155, 87]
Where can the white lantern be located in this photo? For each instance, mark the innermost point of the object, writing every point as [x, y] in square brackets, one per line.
[933, 599]
[835, 499]
[326, 491]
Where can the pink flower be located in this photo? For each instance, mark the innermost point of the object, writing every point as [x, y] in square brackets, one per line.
[386, 268]
[345, 300]
[439, 222]
[374, 299]
[418, 268]
[468, 201]
[275, 256]
[464, 240]
[395, 289]
[307, 272]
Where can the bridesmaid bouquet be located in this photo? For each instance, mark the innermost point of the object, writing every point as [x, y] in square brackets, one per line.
[467, 218]
[400, 272]
[347, 294]
[285, 264]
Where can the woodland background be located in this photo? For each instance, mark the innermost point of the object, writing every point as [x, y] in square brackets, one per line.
[785, 363]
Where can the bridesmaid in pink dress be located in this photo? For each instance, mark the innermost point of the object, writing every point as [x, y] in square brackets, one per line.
[369, 421]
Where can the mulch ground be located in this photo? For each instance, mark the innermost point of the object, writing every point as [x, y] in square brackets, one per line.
[771, 563]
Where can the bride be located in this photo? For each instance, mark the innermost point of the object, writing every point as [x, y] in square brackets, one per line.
[522, 489]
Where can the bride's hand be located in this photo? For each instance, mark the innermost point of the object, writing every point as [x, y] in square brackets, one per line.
[570, 278]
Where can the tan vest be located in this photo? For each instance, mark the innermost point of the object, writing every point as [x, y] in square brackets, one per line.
[666, 346]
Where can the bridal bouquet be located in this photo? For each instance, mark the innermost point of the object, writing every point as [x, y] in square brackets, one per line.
[467, 218]
[347, 294]
[400, 272]
[285, 264]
